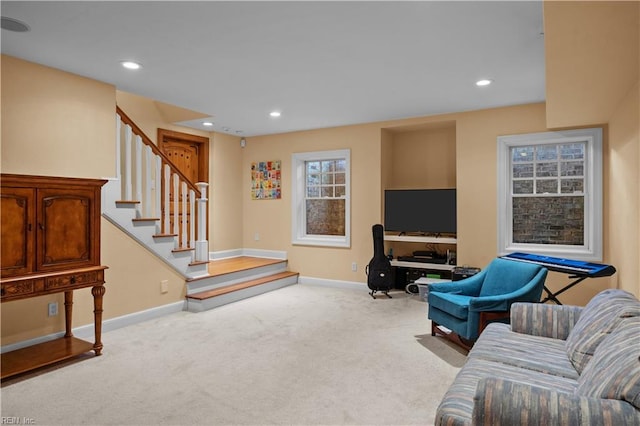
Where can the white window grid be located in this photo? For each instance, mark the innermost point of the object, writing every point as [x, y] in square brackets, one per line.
[547, 167]
[325, 179]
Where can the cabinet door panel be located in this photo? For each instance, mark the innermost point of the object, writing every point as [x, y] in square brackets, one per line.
[17, 237]
[64, 228]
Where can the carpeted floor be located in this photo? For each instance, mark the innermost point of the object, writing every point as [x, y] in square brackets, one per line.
[303, 354]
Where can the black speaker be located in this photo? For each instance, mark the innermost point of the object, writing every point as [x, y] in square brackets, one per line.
[462, 272]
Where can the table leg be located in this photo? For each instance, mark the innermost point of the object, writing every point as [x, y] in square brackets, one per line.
[68, 313]
[98, 293]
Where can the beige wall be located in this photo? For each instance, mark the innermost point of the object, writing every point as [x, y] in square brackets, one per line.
[624, 191]
[55, 123]
[424, 158]
[592, 59]
[592, 76]
[53, 146]
[469, 151]
[271, 219]
[150, 115]
[226, 194]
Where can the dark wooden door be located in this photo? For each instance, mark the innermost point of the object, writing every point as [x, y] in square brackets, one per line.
[65, 228]
[185, 156]
[18, 234]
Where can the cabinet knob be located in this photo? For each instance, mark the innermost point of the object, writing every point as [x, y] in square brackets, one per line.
[72, 280]
[41, 226]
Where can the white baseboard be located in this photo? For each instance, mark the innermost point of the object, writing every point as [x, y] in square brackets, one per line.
[225, 254]
[86, 331]
[323, 282]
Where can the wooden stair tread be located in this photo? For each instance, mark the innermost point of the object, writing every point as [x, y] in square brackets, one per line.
[240, 286]
[240, 263]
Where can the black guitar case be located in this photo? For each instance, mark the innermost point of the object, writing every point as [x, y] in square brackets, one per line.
[379, 272]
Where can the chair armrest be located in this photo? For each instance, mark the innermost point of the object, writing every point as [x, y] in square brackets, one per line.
[539, 319]
[468, 286]
[505, 402]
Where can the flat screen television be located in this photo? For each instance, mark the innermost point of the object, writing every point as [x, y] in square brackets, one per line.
[420, 211]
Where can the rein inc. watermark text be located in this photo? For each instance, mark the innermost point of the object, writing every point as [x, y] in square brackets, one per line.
[15, 420]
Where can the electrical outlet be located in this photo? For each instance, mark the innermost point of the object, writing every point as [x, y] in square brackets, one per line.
[53, 309]
[164, 286]
[354, 266]
[256, 236]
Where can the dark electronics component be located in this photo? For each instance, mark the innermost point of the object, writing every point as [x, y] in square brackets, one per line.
[439, 260]
[424, 256]
[426, 211]
[462, 272]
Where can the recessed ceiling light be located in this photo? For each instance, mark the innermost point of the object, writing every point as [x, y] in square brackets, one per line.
[275, 113]
[11, 24]
[207, 123]
[483, 82]
[130, 65]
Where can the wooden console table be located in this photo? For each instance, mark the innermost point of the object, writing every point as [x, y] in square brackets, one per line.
[50, 242]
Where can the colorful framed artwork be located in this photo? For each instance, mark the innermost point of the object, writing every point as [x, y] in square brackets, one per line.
[266, 180]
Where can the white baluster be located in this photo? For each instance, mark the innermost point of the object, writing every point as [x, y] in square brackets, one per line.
[138, 182]
[202, 245]
[128, 170]
[118, 147]
[184, 215]
[147, 203]
[193, 217]
[176, 205]
[158, 188]
[166, 228]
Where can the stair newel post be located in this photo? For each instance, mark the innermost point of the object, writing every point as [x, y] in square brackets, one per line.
[138, 171]
[176, 208]
[193, 217]
[166, 225]
[128, 169]
[118, 147]
[202, 245]
[147, 203]
[157, 185]
[183, 222]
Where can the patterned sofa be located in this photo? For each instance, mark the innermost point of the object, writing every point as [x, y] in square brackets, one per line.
[554, 365]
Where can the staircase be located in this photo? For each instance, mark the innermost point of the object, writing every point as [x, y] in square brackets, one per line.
[237, 278]
[154, 203]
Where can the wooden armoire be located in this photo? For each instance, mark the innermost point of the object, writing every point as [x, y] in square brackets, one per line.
[50, 242]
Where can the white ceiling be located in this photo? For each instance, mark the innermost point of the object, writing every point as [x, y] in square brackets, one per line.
[321, 64]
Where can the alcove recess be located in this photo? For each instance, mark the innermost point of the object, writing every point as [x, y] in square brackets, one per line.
[419, 156]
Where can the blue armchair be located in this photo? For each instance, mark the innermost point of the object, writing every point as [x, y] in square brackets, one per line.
[459, 305]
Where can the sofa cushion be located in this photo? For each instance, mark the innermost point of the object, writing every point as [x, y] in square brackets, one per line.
[457, 405]
[536, 353]
[614, 370]
[601, 315]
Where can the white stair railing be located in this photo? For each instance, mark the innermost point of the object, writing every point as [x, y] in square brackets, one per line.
[159, 190]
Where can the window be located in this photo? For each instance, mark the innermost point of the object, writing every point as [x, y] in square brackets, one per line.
[550, 194]
[320, 204]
